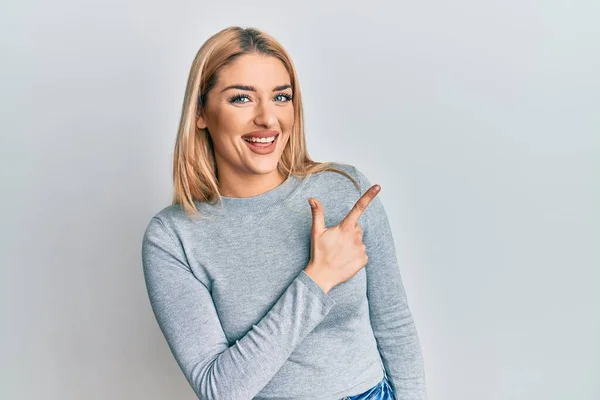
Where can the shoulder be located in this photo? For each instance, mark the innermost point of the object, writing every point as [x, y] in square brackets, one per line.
[346, 192]
[168, 221]
[337, 192]
[335, 180]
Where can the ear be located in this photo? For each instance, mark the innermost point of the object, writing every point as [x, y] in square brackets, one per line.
[200, 122]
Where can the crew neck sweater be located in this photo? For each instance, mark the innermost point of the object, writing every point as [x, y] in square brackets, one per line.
[244, 321]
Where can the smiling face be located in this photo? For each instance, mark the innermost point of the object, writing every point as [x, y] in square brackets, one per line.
[251, 95]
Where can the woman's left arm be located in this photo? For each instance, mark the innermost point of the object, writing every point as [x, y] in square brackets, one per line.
[391, 318]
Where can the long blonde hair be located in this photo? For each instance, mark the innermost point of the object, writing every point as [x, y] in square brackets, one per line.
[194, 167]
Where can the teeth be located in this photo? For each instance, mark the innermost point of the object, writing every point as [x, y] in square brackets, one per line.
[260, 140]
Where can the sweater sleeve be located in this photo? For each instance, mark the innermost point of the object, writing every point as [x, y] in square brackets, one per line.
[391, 318]
[186, 315]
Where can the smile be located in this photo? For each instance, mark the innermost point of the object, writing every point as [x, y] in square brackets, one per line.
[262, 147]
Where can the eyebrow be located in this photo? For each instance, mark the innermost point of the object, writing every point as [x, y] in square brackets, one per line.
[253, 88]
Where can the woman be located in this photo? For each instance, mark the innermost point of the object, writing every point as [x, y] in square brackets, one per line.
[258, 294]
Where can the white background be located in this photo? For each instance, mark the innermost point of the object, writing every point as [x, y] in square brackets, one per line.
[480, 120]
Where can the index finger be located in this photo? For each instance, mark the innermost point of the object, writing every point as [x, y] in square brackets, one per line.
[359, 208]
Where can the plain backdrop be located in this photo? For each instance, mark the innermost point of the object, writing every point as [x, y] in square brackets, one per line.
[479, 119]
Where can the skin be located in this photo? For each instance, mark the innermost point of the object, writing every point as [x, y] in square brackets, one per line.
[243, 173]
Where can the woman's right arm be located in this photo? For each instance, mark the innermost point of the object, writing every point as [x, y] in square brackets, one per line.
[186, 315]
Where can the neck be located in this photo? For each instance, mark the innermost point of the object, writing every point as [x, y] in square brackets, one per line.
[240, 186]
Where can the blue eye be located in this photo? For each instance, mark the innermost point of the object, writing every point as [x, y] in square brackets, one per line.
[288, 97]
[235, 98]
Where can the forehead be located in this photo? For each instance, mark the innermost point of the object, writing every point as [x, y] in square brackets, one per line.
[255, 69]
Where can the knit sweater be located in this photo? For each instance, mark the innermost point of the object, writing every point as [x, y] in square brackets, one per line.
[244, 321]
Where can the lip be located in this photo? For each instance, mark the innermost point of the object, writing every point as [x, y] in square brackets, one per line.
[263, 150]
[261, 134]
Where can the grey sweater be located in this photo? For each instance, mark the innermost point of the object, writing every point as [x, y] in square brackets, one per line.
[244, 321]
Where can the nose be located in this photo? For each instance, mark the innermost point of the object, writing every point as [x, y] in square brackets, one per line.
[265, 115]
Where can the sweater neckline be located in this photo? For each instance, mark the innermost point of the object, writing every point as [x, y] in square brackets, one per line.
[258, 203]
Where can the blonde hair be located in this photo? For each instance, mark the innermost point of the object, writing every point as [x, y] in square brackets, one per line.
[194, 167]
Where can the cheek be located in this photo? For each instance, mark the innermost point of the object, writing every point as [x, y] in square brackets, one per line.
[228, 120]
[228, 126]
[224, 126]
[288, 118]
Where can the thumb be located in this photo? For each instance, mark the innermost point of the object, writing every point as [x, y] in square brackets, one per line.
[318, 218]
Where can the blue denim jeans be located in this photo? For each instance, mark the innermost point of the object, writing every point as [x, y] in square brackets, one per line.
[381, 391]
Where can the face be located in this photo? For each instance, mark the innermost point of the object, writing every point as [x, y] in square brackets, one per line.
[252, 95]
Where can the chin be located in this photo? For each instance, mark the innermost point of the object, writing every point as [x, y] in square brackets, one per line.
[264, 168]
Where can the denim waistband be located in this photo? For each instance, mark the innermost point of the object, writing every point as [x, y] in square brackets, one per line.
[381, 391]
